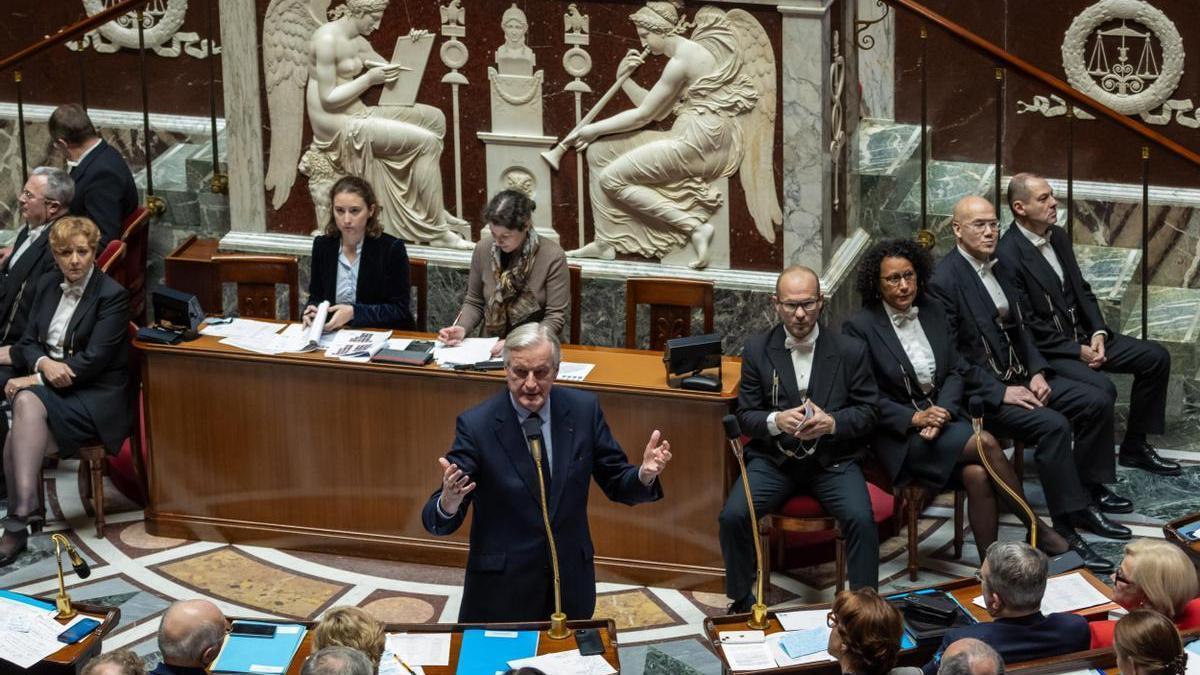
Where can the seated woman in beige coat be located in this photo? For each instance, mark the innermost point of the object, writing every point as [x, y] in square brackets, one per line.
[516, 276]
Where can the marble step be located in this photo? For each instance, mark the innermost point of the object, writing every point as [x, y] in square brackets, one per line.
[884, 147]
[199, 166]
[1110, 270]
[171, 183]
[898, 214]
[1174, 321]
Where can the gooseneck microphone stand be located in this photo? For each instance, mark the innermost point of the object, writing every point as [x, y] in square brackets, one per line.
[532, 426]
[758, 612]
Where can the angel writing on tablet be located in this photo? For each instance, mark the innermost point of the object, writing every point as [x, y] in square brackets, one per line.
[651, 190]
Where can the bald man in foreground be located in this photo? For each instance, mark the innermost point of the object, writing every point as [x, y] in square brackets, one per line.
[807, 400]
[189, 637]
[1025, 399]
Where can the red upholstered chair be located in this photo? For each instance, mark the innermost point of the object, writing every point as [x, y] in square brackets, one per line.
[136, 236]
[110, 261]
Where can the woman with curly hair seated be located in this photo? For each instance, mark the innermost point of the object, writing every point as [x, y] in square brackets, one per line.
[1147, 643]
[865, 635]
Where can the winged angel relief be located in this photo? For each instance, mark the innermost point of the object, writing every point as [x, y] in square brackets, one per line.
[652, 190]
[324, 67]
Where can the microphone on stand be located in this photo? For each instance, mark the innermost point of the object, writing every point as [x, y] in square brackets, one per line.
[532, 426]
[758, 612]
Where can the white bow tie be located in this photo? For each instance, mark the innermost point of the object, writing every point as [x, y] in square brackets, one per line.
[70, 291]
[803, 346]
[901, 318]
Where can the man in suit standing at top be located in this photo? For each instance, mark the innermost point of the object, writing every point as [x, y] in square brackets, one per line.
[806, 399]
[1070, 422]
[104, 188]
[1070, 331]
[509, 575]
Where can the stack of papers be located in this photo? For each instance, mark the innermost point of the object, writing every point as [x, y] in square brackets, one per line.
[1066, 593]
[804, 639]
[357, 345]
[417, 649]
[470, 350]
[28, 630]
[565, 663]
[574, 372]
[240, 328]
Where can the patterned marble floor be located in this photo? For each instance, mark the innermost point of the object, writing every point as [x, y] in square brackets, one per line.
[142, 573]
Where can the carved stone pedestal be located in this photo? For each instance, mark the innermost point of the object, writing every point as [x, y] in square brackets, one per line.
[514, 162]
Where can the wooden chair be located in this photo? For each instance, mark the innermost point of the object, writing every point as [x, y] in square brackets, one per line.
[110, 261]
[909, 500]
[802, 514]
[575, 274]
[255, 277]
[136, 236]
[93, 460]
[671, 302]
[419, 280]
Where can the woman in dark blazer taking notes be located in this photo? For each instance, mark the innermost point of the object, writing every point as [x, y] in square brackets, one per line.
[75, 356]
[361, 271]
[924, 435]
[516, 276]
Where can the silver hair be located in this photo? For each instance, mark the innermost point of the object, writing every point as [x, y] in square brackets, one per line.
[973, 657]
[60, 187]
[191, 647]
[1017, 573]
[338, 660]
[530, 335]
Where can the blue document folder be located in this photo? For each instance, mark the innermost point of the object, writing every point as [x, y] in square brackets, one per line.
[26, 600]
[261, 655]
[487, 652]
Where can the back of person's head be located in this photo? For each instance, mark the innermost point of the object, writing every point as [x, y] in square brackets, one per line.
[869, 630]
[969, 656]
[511, 209]
[191, 633]
[70, 123]
[524, 671]
[1163, 573]
[350, 627]
[1016, 573]
[120, 662]
[1147, 643]
[338, 660]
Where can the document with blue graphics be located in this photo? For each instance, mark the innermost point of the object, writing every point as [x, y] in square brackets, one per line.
[487, 652]
[257, 654]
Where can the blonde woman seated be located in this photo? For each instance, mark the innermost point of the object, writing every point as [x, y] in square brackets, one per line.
[516, 276]
[1147, 643]
[352, 627]
[74, 355]
[1155, 575]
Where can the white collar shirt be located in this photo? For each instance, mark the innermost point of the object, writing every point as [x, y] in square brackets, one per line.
[34, 233]
[57, 332]
[984, 270]
[1042, 244]
[801, 351]
[915, 342]
[71, 165]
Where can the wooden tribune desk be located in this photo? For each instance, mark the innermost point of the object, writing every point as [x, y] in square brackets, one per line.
[606, 627]
[72, 658]
[963, 590]
[302, 452]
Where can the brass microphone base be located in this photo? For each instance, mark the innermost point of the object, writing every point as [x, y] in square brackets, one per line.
[558, 627]
[758, 617]
[65, 610]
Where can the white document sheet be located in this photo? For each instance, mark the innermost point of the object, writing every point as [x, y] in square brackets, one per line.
[241, 328]
[40, 639]
[470, 350]
[1066, 593]
[574, 372]
[748, 656]
[357, 345]
[781, 657]
[420, 649]
[803, 619]
[565, 663]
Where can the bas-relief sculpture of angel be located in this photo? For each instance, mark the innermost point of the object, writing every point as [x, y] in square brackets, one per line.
[651, 190]
[325, 67]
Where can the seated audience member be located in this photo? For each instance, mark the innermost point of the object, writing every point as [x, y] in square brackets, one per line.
[189, 637]
[120, 662]
[338, 660]
[1156, 575]
[866, 634]
[1147, 643]
[104, 188]
[1013, 577]
[924, 437]
[969, 656]
[361, 270]
[350, 627]
[516, 276]
[74, 362]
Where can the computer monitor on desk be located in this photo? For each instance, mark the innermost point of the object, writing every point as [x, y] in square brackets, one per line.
[691, 357]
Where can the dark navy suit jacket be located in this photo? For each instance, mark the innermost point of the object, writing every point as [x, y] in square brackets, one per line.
[18, 284]
[508, 567]
[382, 297]
[1024, 638]
[104, 191]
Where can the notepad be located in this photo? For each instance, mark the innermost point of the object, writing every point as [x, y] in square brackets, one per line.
[485, 652]
[267, 655]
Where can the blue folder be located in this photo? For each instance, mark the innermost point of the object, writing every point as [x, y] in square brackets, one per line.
[487, 652]
[26, 600]
[261, 655]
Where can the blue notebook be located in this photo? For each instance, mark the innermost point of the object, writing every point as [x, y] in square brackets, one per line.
[26, 600]
[262, 655]
[487, 652]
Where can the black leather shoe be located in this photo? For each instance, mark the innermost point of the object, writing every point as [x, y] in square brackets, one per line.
[1093, 520]
[12, 545]
[1109, 501]
[1146, 458]
[741, 606]
[1094, 562]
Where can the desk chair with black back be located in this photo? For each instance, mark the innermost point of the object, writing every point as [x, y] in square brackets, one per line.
[671, 303]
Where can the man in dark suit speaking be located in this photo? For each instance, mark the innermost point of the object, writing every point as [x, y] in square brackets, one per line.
[509, 575]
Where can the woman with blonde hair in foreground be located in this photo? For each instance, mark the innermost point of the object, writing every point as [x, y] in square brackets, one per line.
[1155, 575]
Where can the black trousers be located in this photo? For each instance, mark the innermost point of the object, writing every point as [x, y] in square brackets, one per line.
[1150, 365]
[1078, 413]
[842, 492]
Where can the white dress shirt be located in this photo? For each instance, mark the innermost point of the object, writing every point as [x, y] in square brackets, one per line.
[347, 276]
[34, 233]
[71, 165]
[57, 332]
[915, 343]
[802, 360]
[984, 270]
[1043, 246]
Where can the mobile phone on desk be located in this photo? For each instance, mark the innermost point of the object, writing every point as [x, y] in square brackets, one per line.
[264, 630]
[77, 632]
[589, 642]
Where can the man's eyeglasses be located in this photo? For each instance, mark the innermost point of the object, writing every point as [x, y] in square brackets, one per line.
[981, 225]
[895, 279]
[807, 305]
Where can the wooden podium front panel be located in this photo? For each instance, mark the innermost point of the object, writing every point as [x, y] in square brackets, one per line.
[303, 452]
